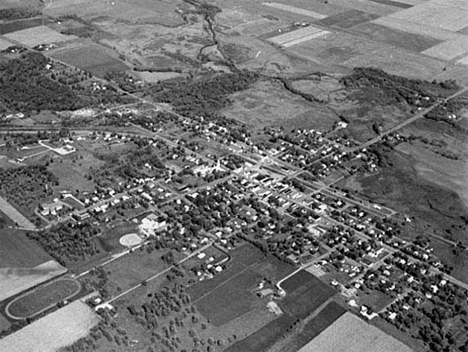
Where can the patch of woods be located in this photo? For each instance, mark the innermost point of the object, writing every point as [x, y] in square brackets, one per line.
[26, 186]
[18, 13]
[203, 97]
[141, 162]
[374, 85]
[25, 87]
[68, 242]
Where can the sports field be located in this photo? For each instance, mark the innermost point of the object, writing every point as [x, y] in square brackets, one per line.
[351, 334]
[42, 298]
[54, 331]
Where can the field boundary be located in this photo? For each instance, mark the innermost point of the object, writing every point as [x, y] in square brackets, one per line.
[15, 215]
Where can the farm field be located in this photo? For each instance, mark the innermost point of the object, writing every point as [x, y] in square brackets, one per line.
[4, 323]
[42, 298]
[304, 294]
[439, 170]
[54, 331]
[150, 12]
[15, 215]
[38, 35]
[350, 333]
[4, 44]
[18, 279]
[310, 328]
[18, 251]
[19, 25]
[96, 59]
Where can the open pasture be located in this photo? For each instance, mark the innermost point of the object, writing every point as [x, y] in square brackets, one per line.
[369, 7]
[42, 298]
[4, 323]
[92, 58]
[160, 12]
[265, 104]
[350, 333]
[54, 331]
[38, 35]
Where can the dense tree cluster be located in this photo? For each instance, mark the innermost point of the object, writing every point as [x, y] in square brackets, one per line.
[68, 242]
[17, 13]
[202, 97]
[25, 87]
[26, 186]
[375, 85]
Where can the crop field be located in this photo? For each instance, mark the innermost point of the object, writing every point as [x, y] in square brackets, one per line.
[370, 7]
[54, 331]
[452, 15]
[42, 298]
[347, 19]
[130, 10]
[450, 49]
[17, 250]
[312, 328]
[350, 333]
[14, 26]
[14, 280]
[304, 294]
[294, 9]
[15, 215]
[93, 58]
[38, 35]
[298, 36]
[394, 37]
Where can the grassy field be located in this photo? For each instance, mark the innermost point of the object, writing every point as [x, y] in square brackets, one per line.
[132, 269]
[17, 250]
[56, 330]
[93, 58]
[268, 104]
[42, 298]
[304, 294]
[4, 323]
[38, 35]
[15, 215]
[350, 333]
[220, 307]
